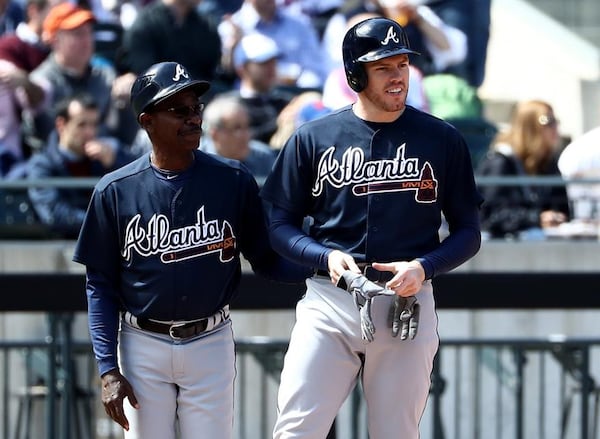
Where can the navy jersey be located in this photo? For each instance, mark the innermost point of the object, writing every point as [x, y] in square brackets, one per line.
[173, 253]
[375, 190]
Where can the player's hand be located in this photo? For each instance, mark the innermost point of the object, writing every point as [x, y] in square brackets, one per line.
[408, 276]
[115, 388]
[338, 262]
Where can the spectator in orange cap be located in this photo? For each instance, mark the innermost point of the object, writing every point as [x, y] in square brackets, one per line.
[68, 71]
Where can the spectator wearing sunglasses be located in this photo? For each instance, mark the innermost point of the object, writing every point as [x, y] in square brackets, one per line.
[528, 147]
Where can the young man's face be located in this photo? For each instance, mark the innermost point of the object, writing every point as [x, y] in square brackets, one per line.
[262, 76]
[387, 83]
[80, 128]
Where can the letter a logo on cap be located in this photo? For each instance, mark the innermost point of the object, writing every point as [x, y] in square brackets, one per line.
[179, 72]
[391, 35]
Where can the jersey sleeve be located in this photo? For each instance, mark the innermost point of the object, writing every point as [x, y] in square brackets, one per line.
[255, 243]
[287, 184]
[98, 246]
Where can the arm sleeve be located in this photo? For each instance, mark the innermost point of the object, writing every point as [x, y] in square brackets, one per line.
[462, 243]
[289, 240]
[103, 319]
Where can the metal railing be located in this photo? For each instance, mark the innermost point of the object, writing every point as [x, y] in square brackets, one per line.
[488, 389]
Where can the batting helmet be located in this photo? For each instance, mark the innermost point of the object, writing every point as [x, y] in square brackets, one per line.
[161, 81]
[371, 40]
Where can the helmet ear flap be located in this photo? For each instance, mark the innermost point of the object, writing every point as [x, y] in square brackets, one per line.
[356, 75]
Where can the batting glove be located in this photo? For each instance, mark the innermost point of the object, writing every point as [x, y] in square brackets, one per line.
[363, 291]
[403, 317]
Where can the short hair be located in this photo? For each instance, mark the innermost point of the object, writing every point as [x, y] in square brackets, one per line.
[86, 100]
[220, 106]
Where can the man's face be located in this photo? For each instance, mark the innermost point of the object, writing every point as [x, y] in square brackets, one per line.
[387, 84]
[81, 127]
[231, 136]
[74, 48]
[175, 123]
[262, 76]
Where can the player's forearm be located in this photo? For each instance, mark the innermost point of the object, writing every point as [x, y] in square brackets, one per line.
[103, 320]
[457, 248]
[291, 242]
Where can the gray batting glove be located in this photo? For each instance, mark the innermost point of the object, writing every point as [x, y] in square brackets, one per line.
[359, 285]
[403, 317]
[363, 291]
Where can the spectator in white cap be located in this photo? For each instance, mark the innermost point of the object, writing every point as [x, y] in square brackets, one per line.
[300, 51]
[255, 59]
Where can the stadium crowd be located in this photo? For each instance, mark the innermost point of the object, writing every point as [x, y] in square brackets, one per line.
[273, 65]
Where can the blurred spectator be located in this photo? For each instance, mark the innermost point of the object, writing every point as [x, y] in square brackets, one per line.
[473, 18]
[255, 59]
[303, 108]
[439, 44]
[68, 69]
[74, 150]
[453, 99]
[527, 148]
[173, 30]
[226, 126]
[301, 62]
[217, 9]
[581, 159]
[20, 53]
[11, 14]
[317, 11]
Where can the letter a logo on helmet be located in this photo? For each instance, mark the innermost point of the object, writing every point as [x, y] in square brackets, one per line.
[391, 36]
[179, 73]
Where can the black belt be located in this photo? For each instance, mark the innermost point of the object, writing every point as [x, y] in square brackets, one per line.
[179, 331]
[370, 273]
[185, 330]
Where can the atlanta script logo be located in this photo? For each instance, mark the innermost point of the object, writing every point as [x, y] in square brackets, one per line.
[199, 239]
[386, 175]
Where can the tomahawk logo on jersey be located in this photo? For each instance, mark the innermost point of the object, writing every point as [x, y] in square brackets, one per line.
[376, 176]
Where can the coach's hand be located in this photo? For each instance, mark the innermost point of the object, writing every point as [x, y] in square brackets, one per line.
[115, 388]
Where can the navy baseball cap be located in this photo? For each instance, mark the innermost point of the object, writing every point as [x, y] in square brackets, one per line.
[161, 81]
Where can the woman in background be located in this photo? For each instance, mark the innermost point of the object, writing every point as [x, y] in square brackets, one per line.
[528, 148]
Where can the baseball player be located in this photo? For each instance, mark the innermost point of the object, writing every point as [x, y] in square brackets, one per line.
[376, 178]
[161, 243]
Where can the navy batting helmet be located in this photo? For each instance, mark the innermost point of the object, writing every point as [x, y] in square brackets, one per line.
[161, 81]
[371, 40]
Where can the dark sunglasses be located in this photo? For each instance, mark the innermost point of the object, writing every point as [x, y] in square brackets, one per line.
[185, 111]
